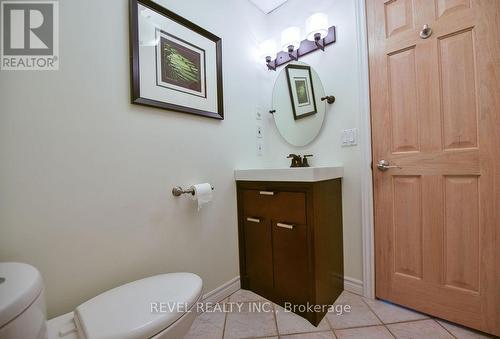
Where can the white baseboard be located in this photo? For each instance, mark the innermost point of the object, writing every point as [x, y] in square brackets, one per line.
[223, 291]
[353, 285]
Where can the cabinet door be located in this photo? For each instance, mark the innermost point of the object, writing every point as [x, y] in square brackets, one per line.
[290, 247]
[258, 244]
[258, 254]
[290, 262]
[275, 244]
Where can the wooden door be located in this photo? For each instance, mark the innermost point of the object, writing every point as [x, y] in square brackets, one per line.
[435, 103]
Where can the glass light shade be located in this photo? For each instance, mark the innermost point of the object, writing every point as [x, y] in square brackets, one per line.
[317, 23]
[268, 49]
[290, 37]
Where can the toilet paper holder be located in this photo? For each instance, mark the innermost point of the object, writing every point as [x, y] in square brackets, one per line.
[177, 191]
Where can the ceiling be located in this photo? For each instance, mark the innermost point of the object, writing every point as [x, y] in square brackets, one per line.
[267, 6]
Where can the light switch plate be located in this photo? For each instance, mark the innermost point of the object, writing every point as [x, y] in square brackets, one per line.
[260, 132]
[349, 137]
[260, 148]
[258, 114]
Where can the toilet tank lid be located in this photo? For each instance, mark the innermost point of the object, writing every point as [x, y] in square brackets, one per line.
[20, 285]
[139, 309]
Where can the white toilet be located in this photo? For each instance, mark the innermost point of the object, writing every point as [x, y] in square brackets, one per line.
[162, 306]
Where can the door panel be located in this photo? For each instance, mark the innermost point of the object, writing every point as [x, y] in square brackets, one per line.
[408, 225]
[403, 94]
[461, 243]
[399, 16]
[444, 7]
[458, 90]
[436, 115]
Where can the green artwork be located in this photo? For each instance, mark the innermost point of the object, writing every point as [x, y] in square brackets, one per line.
[301, 89]
[180, 65]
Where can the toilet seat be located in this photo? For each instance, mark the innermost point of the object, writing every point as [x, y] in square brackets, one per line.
[126, 312]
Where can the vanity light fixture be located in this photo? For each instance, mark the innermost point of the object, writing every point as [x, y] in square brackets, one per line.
[266, 50]
[290, 41]
[318, 36]
[317, 29]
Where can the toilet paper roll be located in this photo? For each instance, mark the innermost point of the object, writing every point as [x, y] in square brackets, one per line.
[202, 193]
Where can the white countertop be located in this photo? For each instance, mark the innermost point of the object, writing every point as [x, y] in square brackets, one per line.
[298, 174]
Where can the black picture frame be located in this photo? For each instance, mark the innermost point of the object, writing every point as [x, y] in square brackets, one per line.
[136, 97]
[297, 116]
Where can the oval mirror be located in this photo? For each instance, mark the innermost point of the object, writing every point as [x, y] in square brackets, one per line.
[298, 110]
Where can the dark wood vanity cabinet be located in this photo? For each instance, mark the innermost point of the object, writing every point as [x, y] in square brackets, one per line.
[290, 243]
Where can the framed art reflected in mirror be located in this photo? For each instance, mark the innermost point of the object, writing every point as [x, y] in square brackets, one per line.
[297, 132]
[301, 89]
[175, 64]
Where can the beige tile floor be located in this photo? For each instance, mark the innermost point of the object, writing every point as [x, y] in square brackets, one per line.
[368, 319]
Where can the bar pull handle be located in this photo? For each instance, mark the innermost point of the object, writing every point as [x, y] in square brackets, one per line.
[288, 226]
[266, 193]
[255, 220]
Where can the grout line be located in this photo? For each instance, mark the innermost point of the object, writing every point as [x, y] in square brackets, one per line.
[402, 321]
[439, 324]
[225, 314]
[276, 321]
[356, 327]
[432, 319]
[390, 332]
[463, 327]
[225, 321]
[307, 332]
[303, 333]
[407, 321]
[371, 310]
[328, 321]
[376, 315]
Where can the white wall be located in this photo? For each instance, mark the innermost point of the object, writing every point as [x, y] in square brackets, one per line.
[85, 177]
[338, 70]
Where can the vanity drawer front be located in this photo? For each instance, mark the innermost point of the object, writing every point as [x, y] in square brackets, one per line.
[289, 207]
[276, 205]
[255, 204]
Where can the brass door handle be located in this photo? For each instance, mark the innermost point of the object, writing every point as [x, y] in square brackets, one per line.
[384, 165]
[288, 226]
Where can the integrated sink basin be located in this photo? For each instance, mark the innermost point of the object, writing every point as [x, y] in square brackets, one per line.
[299, 174]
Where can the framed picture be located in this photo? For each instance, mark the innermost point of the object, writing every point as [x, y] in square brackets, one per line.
[301, 90]
[175, 64]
